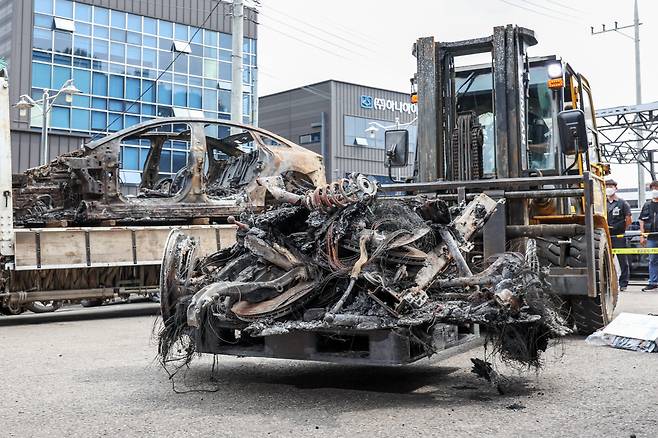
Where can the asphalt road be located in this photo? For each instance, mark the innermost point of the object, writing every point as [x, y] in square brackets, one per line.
[99, 377]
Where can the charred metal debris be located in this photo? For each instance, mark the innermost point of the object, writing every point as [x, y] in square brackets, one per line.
[85, 188]
[341, 258]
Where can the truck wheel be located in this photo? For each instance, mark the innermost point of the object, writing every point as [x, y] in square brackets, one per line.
[177, 265]
[44, 306]
[589, 314]
[10, 309]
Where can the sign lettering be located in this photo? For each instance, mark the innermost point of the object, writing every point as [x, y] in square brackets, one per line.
[378, 103]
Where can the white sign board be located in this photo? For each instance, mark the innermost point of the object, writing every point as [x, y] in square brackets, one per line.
[633, 325]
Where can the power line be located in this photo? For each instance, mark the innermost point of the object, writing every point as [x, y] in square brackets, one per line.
[546, 8]
[303, 42]
[339, 25]
[317, 37]
[164, 71]
[335, 35]
[536, 11]
[557, 3]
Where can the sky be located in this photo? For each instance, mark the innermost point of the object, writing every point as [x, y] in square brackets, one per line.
[369, 42]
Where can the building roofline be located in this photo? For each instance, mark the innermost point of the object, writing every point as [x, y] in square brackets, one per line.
[459, 69]
[329, 81]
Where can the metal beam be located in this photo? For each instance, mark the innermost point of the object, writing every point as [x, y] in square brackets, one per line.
[430, 149]
[628, 133]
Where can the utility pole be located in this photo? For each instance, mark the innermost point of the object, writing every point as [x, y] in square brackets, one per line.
[237, 30]
[638, 84]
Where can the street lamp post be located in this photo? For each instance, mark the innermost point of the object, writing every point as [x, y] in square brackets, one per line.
[25, 103]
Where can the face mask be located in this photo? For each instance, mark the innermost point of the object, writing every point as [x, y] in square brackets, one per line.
[609, 191]
[654, 194]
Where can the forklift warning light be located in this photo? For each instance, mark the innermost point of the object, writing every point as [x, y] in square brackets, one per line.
[555, 83]
[414, 98]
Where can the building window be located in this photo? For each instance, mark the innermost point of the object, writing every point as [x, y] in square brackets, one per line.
[64, 24]
[182, 46]
[44, 7]
[63, 8]
[114, 57]
[310, 138]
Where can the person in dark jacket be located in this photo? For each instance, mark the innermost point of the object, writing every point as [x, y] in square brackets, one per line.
[619, 218]
[649, 237]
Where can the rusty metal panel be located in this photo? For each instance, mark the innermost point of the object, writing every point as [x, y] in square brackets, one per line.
[431, 164]
[82, 247]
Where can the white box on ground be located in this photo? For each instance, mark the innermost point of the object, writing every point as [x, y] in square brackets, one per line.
[633, 325]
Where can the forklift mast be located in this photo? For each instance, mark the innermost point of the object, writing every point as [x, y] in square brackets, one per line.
[513, 139]
[437, 103]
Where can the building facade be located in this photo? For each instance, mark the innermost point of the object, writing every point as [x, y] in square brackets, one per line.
[131, 60]
[343, 112]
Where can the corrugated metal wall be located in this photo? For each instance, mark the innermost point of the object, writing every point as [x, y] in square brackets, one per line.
[6, 7]
[290, 114]
[26, 147]
[20, 77]
[347, 101]
[25, 142]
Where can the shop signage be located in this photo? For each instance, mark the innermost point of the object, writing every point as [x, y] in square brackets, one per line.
[378, 103]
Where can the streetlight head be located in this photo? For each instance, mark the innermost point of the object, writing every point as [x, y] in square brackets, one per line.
[69, 90]
[23, 105]
[372, 131]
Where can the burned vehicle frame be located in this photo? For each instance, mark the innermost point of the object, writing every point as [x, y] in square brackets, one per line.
[68, 233]
[83, 187]
[341, 274]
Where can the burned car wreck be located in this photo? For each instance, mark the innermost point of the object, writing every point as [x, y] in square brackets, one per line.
[342, 274]
[84, 187]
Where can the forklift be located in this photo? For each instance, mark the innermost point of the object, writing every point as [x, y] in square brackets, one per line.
[523, 130]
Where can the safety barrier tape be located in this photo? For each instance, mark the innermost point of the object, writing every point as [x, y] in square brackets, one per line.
[635, 250]
[645, 234]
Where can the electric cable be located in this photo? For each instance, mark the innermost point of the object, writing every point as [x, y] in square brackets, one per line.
[178, 54]
[317, 37]
[546, 8]
[312, 26]
[507, 2]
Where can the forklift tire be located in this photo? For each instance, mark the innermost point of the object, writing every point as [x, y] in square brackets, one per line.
[588, 313]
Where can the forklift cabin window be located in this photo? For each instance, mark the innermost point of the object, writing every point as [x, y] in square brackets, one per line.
[474, 91]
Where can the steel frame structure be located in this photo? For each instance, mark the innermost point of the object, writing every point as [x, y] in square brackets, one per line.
[629, 134]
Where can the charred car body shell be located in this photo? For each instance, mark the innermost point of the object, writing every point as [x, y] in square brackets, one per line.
[71, 234]
[84, 186]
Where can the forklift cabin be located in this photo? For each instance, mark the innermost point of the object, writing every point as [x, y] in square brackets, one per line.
[523, 130]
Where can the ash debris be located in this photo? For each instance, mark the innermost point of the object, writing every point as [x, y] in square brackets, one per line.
[340, 257]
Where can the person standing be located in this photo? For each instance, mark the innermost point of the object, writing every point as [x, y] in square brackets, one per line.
[619, 218]
[649, 225]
